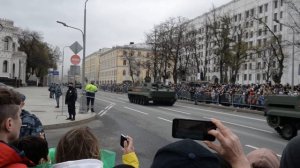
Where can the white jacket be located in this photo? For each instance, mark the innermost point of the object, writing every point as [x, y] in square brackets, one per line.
[83, 163]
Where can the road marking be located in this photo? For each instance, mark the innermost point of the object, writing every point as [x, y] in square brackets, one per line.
[136, 110]
[164, 119]
[110, 101]
[105, 100]
[253, 147]
[257, 119]
[105, 111]
[123, 99]
[262, 130]
[175, 110]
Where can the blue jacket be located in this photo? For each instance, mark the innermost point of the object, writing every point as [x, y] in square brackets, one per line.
[31, 125]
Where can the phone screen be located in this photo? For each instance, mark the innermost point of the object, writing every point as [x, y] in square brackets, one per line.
[192, 129]
[123, 138]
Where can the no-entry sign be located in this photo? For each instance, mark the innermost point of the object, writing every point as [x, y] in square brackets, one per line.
[75, 59]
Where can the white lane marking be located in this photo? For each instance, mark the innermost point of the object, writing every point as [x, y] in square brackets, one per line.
[136, 110]
[253, 147]
[175, 110]
[106, 107]
[262, 130]
[257, 119]
[110, 101]
[105, 111]
[164, 119]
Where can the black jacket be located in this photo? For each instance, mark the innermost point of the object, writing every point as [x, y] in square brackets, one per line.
[71, 96]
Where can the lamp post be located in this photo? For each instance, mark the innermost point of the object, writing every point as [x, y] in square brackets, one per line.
[293, 51]
[82, 108]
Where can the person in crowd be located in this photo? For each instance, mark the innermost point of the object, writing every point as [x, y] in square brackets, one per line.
[35, 149]
[129, 157]
[90, 89]
[123, 166]
[70, 100]
[51, 89]
[78, 148]
[263, 158]
[229, 147]
[190, 154]
[31, 124]
[290, 154]
[57, 94]
[10, 125]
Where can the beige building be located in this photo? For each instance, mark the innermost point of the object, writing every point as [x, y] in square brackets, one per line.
[113, 65]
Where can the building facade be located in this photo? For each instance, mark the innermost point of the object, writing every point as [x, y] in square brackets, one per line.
[113, 66]
[253, 16]
[12, 61]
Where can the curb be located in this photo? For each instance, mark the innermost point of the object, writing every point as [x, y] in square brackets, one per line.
[69, 124]
[224, 107]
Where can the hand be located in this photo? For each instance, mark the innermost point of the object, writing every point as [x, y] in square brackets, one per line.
[42, 135]
[128, 145]
[230, 147]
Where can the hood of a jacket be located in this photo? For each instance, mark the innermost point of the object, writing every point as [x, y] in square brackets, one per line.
[83, 163]
[10, 156]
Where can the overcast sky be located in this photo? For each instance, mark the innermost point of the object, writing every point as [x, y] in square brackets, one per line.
[109, 22]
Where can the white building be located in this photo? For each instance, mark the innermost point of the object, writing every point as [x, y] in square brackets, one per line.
[243, 13]
[12, 61]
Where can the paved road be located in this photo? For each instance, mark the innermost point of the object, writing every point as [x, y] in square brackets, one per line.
[151, 126]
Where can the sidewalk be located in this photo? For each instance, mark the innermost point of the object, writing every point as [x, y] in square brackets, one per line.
[38, 102]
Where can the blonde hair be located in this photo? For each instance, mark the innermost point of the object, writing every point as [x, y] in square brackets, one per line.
[76, 144]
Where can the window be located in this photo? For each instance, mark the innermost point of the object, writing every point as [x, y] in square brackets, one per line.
[258, 65]
[6, 43]
[250, 76]
[251, 24]
[266, 19]
[259, 42]
[250, 66]
[266, 7]
[265, 65]
[247, 24]
[275, 16]
[280, 27]
[246, 35]
[124, 62]
[260, 8]
[235, 18]
[281, 15]
[124, 72]
[247, 14]
[258, 77]
[281, 2]
[252, 12]
[265, 41]
[264, 76]
[124, 53]
[5, 66]
[266, 31]
[240, 17]
[259, 32]
[275, 4]
[275, 28]
[14, 46]
[245, 66]
[274, 64]
[245, 76]
[251, 34]
[250, 55]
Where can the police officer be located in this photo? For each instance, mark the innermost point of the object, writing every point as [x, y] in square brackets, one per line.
[70, 100]
[90, 89]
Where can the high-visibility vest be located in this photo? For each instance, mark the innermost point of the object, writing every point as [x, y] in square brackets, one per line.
[91, 88]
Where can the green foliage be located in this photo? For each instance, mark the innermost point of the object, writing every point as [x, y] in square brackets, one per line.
[40, 55]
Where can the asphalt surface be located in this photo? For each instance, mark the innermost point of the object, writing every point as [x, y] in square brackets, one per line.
[151, 126]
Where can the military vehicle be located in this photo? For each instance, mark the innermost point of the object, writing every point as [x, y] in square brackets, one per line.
[283, 114]
[157, 93]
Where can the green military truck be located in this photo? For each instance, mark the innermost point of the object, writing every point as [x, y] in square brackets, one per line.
[283, 114]
[157, 93]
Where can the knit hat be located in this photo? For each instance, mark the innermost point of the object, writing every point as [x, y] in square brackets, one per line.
[263, 158]
[185, 154]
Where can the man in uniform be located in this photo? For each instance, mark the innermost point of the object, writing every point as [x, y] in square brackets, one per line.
[90, 89]
[70, 100]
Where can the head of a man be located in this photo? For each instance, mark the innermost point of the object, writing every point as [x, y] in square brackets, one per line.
[10, 121]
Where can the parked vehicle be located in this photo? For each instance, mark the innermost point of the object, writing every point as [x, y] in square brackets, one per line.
[157, 93]
[283, 114]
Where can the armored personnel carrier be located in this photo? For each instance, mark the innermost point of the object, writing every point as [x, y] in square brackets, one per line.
[157, 93]
[283, 114]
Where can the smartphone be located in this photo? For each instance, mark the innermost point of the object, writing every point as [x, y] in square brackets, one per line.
[123, 138]
[192, 129]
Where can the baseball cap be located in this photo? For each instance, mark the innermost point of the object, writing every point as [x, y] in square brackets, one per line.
[185, 154]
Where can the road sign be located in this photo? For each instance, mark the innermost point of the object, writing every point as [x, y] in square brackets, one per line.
[75, 59]
[55, 73]
[76, 47]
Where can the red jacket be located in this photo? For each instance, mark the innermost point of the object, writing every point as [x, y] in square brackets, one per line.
[10, 158]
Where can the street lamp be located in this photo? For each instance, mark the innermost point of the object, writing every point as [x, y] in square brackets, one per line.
[293, 51]
[82, 108]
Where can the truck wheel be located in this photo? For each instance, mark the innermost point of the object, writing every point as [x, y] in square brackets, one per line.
[273, 121]
[288, 131]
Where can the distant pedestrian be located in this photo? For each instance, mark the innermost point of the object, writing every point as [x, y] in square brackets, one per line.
[57, 93]
[51, 89]
[70, 100]
[31, 125]
[91, 89]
